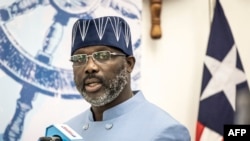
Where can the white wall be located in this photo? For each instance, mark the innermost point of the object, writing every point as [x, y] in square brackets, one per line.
[172, 66]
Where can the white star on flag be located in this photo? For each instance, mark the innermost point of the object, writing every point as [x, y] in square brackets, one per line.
[225, 76]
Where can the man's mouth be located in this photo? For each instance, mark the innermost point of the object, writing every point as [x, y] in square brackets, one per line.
[92, 85]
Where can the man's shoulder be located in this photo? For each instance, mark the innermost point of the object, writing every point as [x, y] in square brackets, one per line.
[153, 112]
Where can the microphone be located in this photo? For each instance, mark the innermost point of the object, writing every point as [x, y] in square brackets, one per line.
[60, 132]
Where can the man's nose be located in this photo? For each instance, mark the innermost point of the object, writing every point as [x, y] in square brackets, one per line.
[91, 66]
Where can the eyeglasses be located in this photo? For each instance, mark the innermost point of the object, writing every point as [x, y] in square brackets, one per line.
[100, 56]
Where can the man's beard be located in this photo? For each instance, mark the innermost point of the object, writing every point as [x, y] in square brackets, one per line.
[112, 89]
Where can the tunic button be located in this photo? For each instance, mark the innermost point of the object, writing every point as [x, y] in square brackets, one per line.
[86, 126]
[108, 126]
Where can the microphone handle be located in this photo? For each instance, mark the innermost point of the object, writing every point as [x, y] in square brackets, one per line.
[55, 138]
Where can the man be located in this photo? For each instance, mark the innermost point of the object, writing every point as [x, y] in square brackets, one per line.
[103, 60]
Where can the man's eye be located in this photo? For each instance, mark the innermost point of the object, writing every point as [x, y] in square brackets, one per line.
[102, 55]
[81, 58]
[78, 58]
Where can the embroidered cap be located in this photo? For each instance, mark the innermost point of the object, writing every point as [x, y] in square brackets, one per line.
[109, 31]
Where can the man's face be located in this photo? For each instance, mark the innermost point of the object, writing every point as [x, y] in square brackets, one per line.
[100, 82]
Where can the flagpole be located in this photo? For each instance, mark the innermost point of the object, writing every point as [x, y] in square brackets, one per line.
[211, 7]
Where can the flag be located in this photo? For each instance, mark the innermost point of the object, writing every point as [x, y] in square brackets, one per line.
[223, 81]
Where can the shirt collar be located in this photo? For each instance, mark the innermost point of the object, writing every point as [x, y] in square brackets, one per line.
[122, 108]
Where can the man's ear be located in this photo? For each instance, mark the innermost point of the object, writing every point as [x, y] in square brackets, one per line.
[130, 63]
